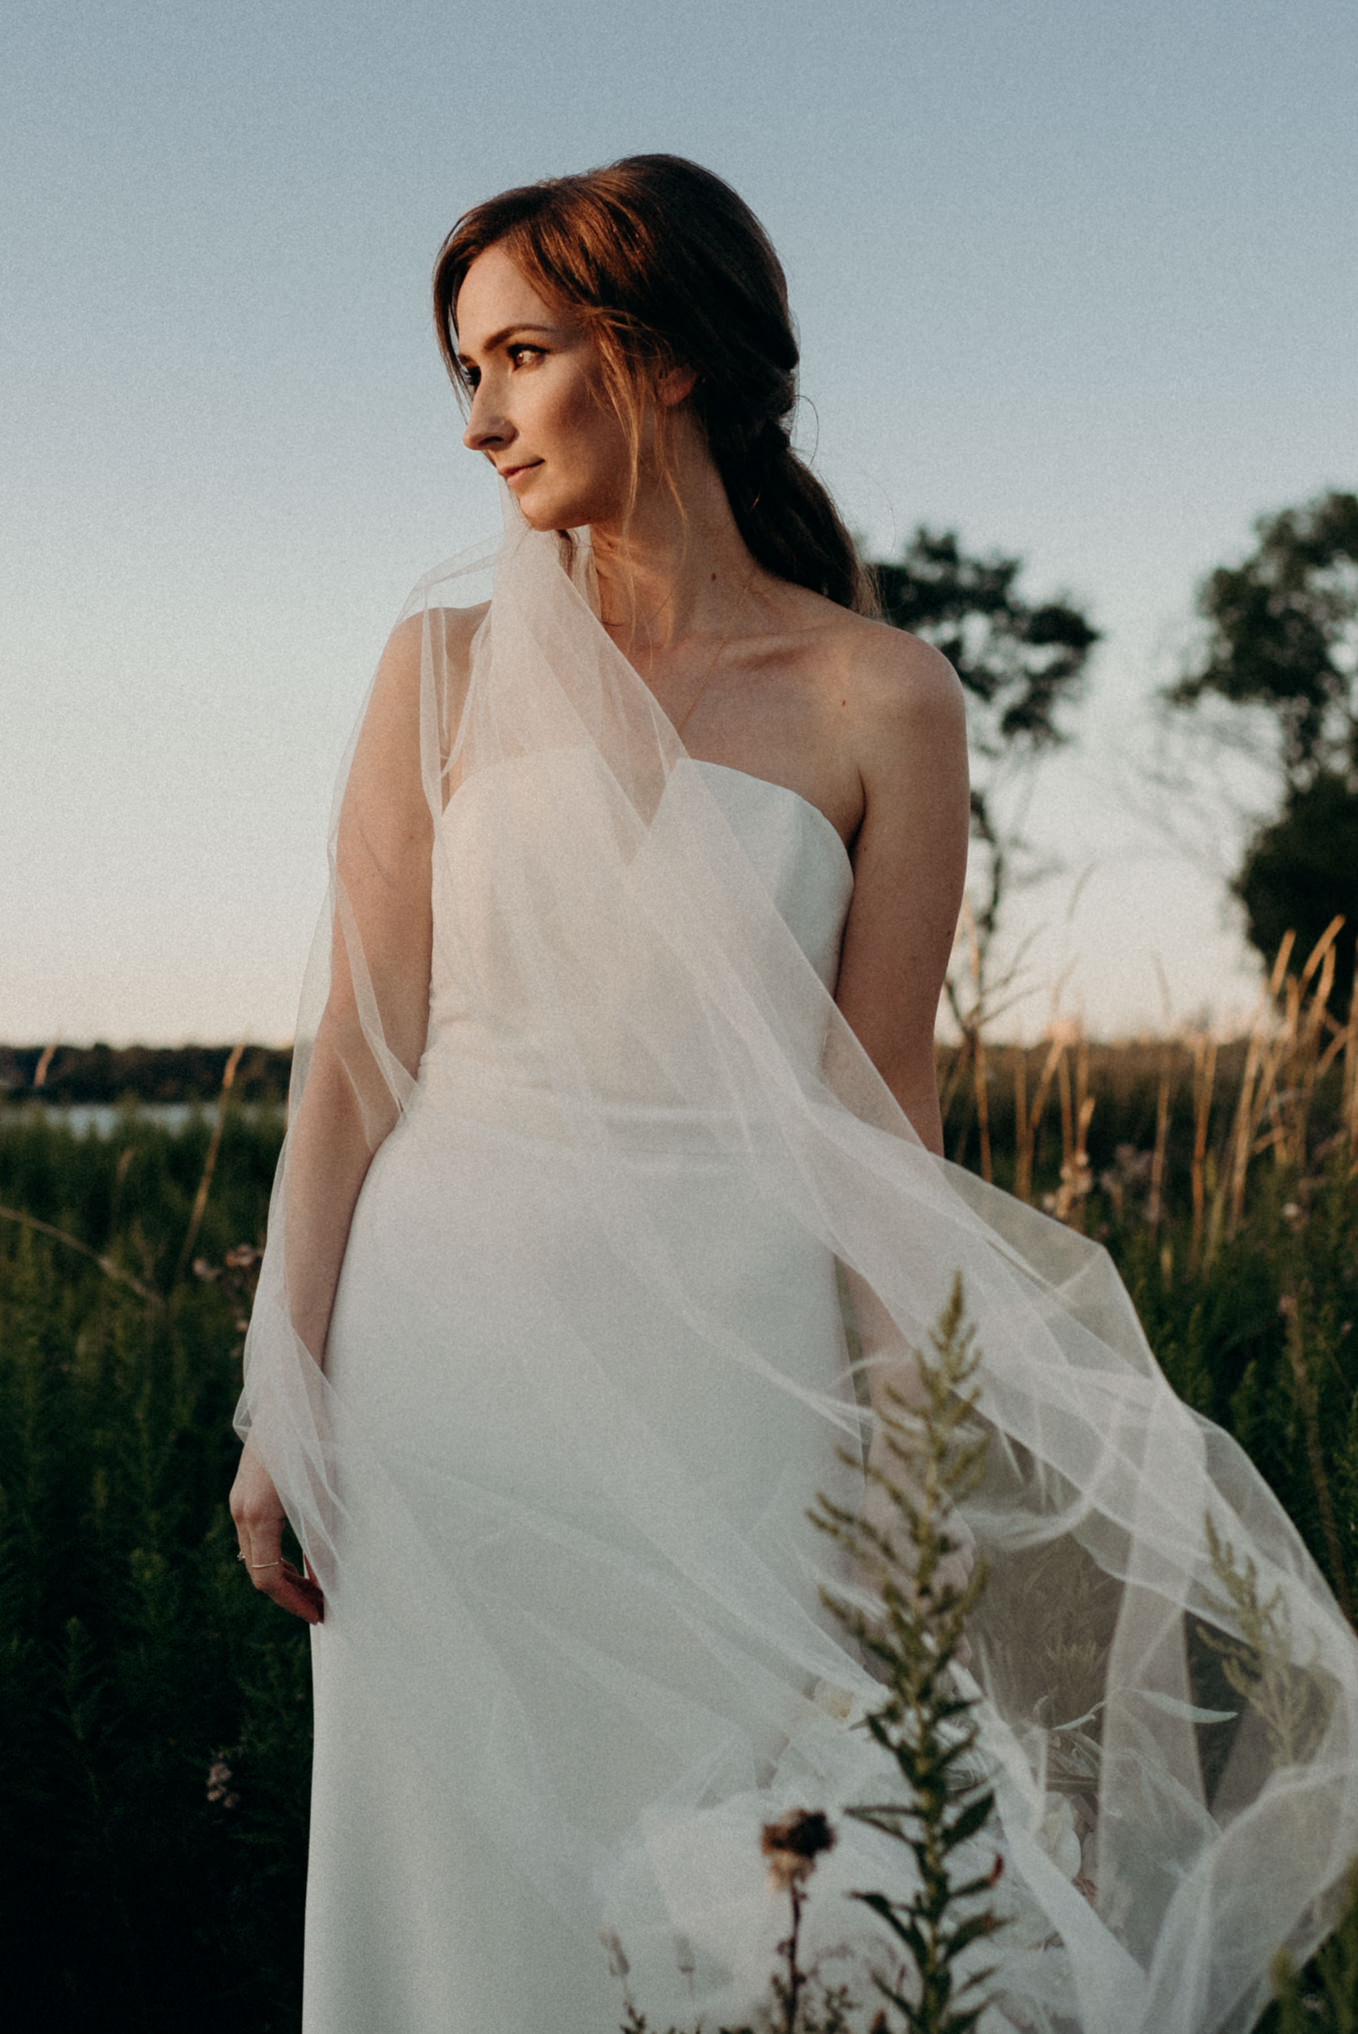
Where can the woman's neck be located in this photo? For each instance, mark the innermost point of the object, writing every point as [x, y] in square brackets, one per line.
[672, 572]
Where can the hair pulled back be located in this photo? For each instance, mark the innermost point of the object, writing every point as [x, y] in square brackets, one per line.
[669, 268]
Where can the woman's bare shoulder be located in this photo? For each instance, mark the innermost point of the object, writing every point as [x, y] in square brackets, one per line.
[436, 641]
[460, 624]
[451, 631]
[894, 672]
[889, 682]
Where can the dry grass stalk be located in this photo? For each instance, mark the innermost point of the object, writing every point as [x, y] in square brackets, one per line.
[1349, 1107]
[110, 1270]
[1081, 1176]
[950, 1078]
[1077, 1106]
[1294, 1043]
[1315, 1453]
[1204, 1078]
[978, 1064]
[970, 1056]
[1023, 1141]
[1257, 1085]
[1063, 1090]
[1310, 1054]
[975, 1011]
[1285, 1065]
[209, 1163]
[1027, 1120]
[1156, 1196]
[1244, 1127]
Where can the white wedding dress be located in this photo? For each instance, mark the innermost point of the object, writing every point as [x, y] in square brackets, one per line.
[587, 1370]
[475, 1288]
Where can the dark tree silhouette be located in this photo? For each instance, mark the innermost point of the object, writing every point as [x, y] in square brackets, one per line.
[1020, 664]
[1302, 870]
[1282, 637]
[1282, 634]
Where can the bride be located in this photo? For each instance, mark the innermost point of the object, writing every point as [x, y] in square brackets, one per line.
[614, 1130]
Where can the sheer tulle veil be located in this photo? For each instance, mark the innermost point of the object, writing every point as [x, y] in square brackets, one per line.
[612, 976]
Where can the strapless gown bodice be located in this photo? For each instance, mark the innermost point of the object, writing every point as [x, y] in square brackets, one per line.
[797, 853]
[488, 1021]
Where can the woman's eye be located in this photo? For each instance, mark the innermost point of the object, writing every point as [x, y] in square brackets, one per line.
[519, 354]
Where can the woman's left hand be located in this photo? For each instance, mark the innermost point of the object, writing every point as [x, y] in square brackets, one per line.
[258, 1515]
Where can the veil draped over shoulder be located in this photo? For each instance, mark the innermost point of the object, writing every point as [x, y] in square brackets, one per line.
[615, 995]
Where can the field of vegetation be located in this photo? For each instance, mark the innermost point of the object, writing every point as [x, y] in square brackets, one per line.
[154, 1711]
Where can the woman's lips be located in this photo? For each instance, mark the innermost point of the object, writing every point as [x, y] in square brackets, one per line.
[511, 474]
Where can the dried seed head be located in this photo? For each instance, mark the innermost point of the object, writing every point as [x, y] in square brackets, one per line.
[792, 1845]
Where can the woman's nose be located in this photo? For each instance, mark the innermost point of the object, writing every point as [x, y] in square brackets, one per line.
[486, 425]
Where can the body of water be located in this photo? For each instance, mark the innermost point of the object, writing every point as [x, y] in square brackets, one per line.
[104, 1119]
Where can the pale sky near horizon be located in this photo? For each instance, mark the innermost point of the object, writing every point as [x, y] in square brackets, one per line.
[1077, 279]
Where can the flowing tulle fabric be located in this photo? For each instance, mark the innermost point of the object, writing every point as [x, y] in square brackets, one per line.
[642, 1160]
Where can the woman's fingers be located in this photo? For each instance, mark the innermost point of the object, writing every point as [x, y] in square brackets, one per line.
[292, 1591]
[276, 1578]
[258, 1518]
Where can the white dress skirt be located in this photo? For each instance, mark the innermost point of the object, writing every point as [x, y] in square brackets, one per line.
[477, 1286]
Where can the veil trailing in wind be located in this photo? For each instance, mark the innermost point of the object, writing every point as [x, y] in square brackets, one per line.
[615, 1204]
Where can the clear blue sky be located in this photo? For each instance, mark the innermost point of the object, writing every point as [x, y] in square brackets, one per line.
[1077, 278]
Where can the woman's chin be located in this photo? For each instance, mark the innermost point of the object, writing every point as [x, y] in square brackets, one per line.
[547, 508]
[540, 509]
[539, 518]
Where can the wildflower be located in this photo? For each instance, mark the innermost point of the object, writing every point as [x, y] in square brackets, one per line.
[792, 1846]
[1129, 1173]
[1077, 1182]
[219, 1785]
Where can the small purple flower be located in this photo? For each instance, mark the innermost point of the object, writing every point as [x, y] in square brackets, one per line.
[219, 1785]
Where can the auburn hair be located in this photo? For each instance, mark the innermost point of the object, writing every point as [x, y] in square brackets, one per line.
[668, 268]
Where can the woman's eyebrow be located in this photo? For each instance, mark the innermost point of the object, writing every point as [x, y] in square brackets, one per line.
[498, 338]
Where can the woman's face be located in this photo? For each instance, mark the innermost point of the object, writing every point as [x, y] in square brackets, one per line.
[538, 412]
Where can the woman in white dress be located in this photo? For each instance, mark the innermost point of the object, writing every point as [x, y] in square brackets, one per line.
[615, 1076]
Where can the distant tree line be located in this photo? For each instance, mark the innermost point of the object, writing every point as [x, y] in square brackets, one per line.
[141, 1073]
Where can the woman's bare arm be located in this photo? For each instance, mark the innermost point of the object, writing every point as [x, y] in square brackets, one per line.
[910, 860]
[383, 856]
[383, 851]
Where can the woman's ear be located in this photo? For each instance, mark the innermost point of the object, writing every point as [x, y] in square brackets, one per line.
[675, 385]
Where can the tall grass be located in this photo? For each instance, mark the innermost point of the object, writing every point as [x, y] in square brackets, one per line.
[154, 1712]
[1222, 1175]
[139, 1888]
